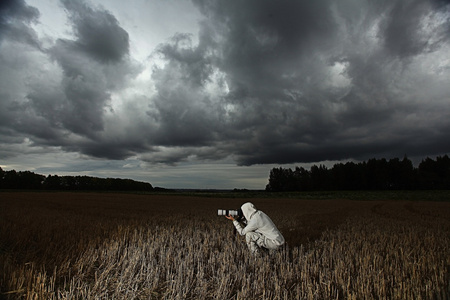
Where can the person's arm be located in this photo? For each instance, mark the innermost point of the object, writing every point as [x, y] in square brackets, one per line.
[242, 230]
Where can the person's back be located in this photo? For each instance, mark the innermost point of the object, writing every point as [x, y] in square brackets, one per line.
[260, 230]
[268, 228]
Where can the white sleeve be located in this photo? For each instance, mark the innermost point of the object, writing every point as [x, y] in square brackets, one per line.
[239, 228]
[251, 226]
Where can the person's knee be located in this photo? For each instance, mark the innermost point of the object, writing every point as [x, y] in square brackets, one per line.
[251, 236]
[272, 245]
[248, 237]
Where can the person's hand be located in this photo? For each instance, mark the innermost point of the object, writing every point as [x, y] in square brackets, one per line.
[229, 217]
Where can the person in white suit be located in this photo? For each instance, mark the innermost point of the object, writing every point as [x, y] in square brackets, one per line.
[260, 231]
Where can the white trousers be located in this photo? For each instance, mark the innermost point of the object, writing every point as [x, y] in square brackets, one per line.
[256, 240]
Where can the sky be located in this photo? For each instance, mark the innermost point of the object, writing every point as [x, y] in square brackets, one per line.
[215, 93]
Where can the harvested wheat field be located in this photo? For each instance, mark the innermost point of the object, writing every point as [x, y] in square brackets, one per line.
[126, 246]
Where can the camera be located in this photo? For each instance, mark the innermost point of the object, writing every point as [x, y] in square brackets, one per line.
[227, 212]
[236, 213]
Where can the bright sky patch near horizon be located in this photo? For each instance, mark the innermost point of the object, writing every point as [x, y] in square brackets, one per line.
[213, 94]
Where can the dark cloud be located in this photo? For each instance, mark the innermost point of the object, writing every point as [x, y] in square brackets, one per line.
[98, 31]
[264, 82]
[402, 28]
[16, 9]
[15, 18]
[185, 114]
[261, 43]
[65, 109]
[84, 88]
[305, 82]
[86, 62]
[291, 105]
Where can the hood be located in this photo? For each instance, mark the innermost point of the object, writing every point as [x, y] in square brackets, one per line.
[248, 209]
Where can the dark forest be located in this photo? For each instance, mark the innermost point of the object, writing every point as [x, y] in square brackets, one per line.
[27, 180]
[375, 174]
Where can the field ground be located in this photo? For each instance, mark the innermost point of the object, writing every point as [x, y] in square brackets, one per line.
[348, 245]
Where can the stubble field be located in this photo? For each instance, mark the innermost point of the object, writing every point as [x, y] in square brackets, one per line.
[128, 246]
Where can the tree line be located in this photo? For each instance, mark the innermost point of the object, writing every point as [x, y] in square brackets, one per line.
[375, 174]
[27, 180]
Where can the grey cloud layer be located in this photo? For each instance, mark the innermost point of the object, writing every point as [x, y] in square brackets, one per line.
[268, 82]
[288, 106]
[15, 18]
[63, 102]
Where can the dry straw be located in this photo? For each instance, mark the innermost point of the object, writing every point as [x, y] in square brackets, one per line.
[118, 246]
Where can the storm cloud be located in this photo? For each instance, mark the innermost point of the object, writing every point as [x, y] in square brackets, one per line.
[59, 95]
[307, 82]
[261, 82]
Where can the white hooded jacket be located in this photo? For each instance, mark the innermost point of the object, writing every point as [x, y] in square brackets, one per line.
[258, 221]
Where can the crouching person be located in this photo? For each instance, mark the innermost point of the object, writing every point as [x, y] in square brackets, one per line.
[260, 231]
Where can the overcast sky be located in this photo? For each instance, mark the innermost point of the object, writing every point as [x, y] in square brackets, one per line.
[215, 93]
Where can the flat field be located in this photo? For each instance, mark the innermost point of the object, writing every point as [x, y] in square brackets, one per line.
[127, 246]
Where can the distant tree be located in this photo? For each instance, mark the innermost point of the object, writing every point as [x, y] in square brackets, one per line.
[375, 174]
[281, 180]
[275, 180]
[11, 180]
[320, 178]
[349, 176]
[52, 182]
[435, 174]
[443, 171]
[30, 180]
[401, 174]
[303, 180]
[2, 175]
